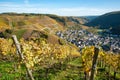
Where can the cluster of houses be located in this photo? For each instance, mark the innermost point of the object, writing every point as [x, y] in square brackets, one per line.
[82, 38]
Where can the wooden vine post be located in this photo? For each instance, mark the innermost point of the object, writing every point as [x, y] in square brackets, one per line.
[17, 44]
[94, 63]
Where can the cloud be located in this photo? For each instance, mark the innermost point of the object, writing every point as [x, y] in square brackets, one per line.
[8, 4]
[37, 8]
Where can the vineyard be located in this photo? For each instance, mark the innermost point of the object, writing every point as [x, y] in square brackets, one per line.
[47, 61]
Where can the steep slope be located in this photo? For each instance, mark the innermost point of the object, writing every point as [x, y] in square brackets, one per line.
[38, 21]
[30, 22]
[24, 24]
[107, 21]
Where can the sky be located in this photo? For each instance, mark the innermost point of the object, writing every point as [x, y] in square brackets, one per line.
[60, 7]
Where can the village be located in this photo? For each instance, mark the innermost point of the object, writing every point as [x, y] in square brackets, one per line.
[82, 38]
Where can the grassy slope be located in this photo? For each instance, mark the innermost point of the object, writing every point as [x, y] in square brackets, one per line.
[24, 26]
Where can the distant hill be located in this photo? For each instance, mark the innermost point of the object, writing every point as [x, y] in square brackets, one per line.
[89, 18]
[107, 21]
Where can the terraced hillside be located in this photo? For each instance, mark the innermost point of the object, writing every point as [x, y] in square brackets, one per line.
[26, 24]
